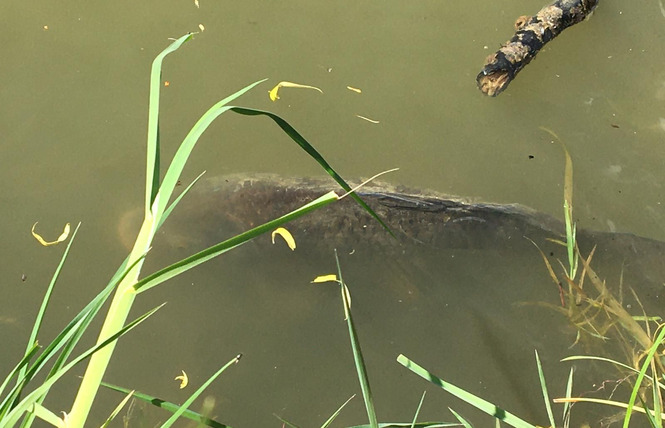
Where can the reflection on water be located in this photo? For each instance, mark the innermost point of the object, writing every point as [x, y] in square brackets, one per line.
[74, 99]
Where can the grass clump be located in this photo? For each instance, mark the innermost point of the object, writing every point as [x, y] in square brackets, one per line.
[23, 402]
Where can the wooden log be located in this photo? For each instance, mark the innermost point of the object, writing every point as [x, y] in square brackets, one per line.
[531, 34]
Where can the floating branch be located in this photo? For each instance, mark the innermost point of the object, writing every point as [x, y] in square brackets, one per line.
[531, 34]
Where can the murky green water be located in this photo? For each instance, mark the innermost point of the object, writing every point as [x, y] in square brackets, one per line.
[73, 119]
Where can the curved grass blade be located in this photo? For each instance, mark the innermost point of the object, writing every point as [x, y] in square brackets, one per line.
[152, 165]
[31, 399]
[118, 408]
[357, 353]
[214, 251]
[307, 147]
[170, 208]
[184, 151]
[638, 382]
[166, 405]
[612, 403]
[474, 400]
[463, 421]
[332, 417]
[181, 410]
[618, 363]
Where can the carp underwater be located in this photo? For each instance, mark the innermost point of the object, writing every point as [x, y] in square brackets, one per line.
[459, 287]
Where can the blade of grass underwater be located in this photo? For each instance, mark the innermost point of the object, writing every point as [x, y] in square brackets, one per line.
[307, 147]
[332, 417]
[618, 404]
[170, 208]
[285, 422]
[640, 376]
[620, 364]
[463, 421]
[543, 386]
[117, 410]
[357, 353]
[152, 166]
[184, 151]
[47, 297]
[192, 261]
[475, 401]
[26, 404]
[166, 405]
[181, 410]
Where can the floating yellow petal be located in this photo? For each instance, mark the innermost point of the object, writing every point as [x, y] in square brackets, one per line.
[356, 90]
[62, 237]
[286, 235]
[273, 91]
[325, 278]
[367, 119]
[201, 27]
[184, 380]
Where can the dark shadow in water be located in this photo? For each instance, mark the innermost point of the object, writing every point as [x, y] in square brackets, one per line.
[448, 293]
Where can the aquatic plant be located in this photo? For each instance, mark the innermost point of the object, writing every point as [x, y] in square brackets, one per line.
[595, 315]
[23, 401]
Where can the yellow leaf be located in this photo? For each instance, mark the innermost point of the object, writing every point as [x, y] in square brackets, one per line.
[351, 88]
[286, 235]
[325, 278]
[62, 237]
[184, 380]
[273, 91]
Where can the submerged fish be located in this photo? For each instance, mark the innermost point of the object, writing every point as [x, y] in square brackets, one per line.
[443, 291]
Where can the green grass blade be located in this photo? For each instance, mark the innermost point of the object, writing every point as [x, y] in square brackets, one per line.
[638, 382]
[117, 409]
[543, 387]
[187, 146]
[475, 401]
[166, 405]
[170, 208]
[307, 147]
[464, 422]
[214, 251]
[181, 410]
[285, 422]
[47, 297]
[420, 405]
[152, 165]
[332, 417]
[31, 399]
[357, 353]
